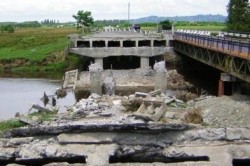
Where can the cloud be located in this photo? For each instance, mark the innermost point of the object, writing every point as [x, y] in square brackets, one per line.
[63, 10]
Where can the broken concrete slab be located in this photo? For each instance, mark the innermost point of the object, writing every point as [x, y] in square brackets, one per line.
[27, 120]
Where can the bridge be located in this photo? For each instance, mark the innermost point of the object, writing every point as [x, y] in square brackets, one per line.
[120, 43]
[226, 54]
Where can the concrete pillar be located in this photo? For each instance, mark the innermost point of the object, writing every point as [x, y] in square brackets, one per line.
[90, 43]
[167, 43]
[152, 43]
[144, 62]
[96, 82]
[161, 81]
[121, 43]
[221, 88]
[136, 43]
[106, 43]
[100, 61]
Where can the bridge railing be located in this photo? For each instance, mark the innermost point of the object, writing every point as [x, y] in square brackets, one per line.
[230, 46]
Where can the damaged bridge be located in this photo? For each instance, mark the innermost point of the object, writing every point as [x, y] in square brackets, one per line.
[102, 45]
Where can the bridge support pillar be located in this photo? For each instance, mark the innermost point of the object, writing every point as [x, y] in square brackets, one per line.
[96, 82]
[144, 62]
[100, 61]
[221, 88]
[224, 77]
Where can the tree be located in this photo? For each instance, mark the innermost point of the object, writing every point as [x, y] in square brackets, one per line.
[238, 16]
[7, 28]
[166, 25]
[83, 19]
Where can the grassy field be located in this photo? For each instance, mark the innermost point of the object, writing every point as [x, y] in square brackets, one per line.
[35, 45]
[203, 28]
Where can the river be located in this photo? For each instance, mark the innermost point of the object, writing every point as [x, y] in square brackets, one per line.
[18, 95]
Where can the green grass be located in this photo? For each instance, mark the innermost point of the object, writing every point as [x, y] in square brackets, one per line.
[204, 28]
[10, 124]
[43, 116]
[36, 45]
[33, 53]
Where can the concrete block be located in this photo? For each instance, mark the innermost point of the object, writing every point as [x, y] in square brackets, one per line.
[233, 134]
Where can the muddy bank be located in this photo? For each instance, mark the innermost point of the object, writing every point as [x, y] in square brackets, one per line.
[56, 61]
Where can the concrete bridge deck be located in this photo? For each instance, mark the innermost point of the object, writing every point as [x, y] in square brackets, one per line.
[120, 43]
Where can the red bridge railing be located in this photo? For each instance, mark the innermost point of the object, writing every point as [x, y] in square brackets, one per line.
[232, 47]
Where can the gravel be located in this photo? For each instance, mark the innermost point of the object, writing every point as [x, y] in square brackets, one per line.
[226, 111]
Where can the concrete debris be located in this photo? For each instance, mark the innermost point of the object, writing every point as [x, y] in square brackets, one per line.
[141, 94]
[60, 93]
[95, 67]
[160, 67]
[39, 108]
[185, 95]
[27, 120]
[154, 93]
[109, 85]
[177, 81]
[149, 72]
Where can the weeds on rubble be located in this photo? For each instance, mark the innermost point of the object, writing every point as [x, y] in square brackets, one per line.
[10, 124]
[185, 95]
[194, 116]
[43, 116]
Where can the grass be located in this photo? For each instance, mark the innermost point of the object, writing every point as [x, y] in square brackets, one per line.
[36, 45]
[15, 123]
[204, 28]
[10, 124]
[43, 116]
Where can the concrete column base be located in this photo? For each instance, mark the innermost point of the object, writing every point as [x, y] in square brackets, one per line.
[96, 82]
[161, 81]
[144, 62]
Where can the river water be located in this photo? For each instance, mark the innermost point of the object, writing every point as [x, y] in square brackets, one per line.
[18, 95]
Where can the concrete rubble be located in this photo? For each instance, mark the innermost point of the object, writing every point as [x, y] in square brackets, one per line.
[140, 129]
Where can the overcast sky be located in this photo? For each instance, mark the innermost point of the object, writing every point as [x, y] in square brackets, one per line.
[62, 10]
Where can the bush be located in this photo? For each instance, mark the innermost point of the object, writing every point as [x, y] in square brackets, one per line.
[7, 28]
[166, 25]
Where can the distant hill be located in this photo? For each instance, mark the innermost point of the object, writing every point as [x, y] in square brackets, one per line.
[196, 18]
[8, 23]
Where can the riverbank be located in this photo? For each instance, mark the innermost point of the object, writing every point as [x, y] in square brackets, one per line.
[36, 49]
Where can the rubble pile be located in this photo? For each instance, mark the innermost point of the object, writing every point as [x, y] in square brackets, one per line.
[185, 95]
[160, 67]
[95, 67]
[109, 84]
[177, 81]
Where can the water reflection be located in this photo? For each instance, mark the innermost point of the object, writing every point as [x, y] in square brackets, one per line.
[18, 95]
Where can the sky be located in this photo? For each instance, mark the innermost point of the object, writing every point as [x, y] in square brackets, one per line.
[62, 10]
